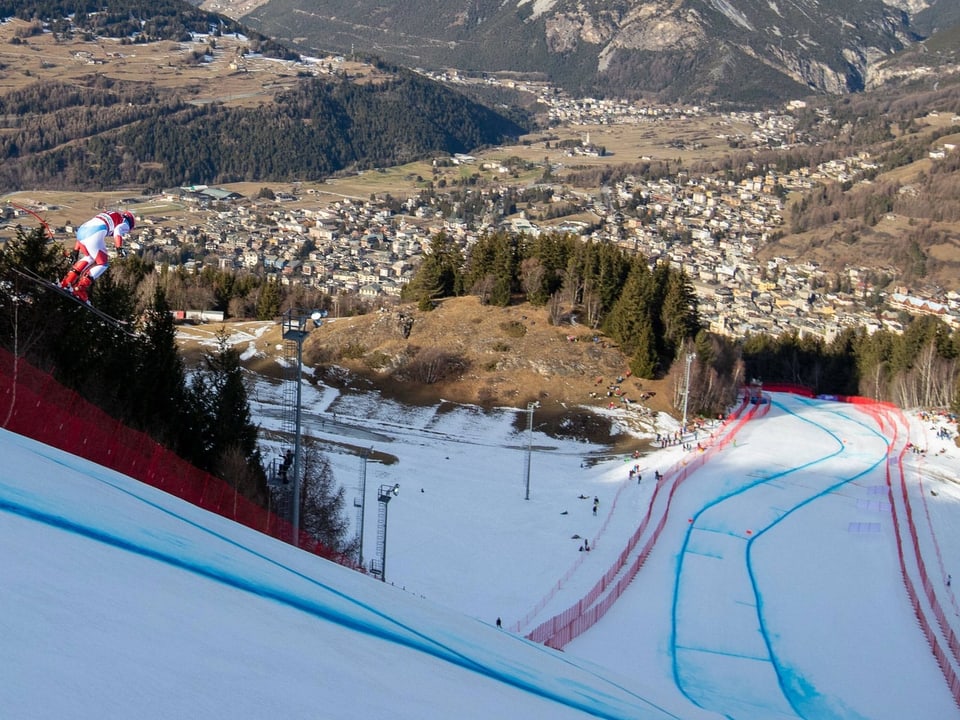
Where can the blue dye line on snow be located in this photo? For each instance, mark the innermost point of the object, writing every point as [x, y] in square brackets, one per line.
[791, 696]
[584, 699]
[796, 699]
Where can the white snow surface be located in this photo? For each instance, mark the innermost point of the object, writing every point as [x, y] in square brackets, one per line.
[774, 590]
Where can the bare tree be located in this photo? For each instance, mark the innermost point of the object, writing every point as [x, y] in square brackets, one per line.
[431, 365]
[532, 273]
[591, 308]
[555, 308]
[483, 288]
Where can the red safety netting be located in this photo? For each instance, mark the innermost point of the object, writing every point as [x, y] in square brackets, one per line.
[34, 404]
[564, 627]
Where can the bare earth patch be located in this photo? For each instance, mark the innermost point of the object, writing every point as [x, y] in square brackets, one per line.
[496, 357]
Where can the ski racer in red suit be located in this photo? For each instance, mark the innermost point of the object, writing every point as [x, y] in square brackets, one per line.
[92, 249]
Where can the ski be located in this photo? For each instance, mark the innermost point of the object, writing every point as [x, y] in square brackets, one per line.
[121, 325]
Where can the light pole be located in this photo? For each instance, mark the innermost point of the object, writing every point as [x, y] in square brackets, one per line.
[361, 502]
[295, 328]
[384, 496]
[530, 408]
[686, 393]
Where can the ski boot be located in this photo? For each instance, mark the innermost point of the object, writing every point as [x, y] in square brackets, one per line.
[81, 291]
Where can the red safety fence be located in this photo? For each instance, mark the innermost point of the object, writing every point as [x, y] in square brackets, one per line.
[792, 388]
[34, 404]
[945, 645]
[564, 627]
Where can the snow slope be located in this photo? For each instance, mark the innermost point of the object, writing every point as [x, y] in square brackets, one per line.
[775, 589]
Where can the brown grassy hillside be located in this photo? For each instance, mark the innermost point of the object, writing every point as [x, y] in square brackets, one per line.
[463, 352]
[490, 356]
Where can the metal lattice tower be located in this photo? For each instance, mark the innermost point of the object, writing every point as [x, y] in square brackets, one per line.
[283, 489]
[378, 565]
[377, 561]
[359, 503]
[296, 328]
[291, 377]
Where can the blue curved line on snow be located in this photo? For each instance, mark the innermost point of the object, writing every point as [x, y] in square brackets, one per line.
[790, 696]
[583, 698]
[794, 697]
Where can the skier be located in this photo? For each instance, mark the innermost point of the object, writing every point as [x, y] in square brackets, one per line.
[91, 249]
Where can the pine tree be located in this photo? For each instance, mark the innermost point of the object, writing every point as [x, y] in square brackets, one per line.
[607, 274]
[439, 275]
[631, 313]
[31, 317]
[268, 304]
[323, 509]
[678, 313]
[643, 362]
[492, 270]
[220, 408]
[160, 378]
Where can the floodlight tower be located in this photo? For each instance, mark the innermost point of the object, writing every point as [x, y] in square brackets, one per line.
[686, 391]
[384, 496]
[360, 503]
[296, 330]
[531, 406]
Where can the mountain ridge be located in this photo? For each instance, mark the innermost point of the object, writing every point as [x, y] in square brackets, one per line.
[689, 50]
[90, 111]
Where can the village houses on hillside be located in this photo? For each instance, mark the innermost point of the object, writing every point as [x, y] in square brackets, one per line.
[710, 228]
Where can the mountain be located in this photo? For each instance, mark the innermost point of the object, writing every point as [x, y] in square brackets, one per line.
[694, 50]
[105, 100]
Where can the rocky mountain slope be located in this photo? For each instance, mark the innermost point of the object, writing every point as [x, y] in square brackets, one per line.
[701, 50]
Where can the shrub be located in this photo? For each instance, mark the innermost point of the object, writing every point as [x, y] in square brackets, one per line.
[431, 365]
[514, 329]
[353, 351]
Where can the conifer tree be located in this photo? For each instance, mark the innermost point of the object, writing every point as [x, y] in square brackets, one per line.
[160, 378]
[506, 263]
[607, 273]
[220, 408]
[631, 313]
[678, 313]
[324, 505]
[30, 316]
[643, 362]
[439, 275]
[268, 304]
[478, 274]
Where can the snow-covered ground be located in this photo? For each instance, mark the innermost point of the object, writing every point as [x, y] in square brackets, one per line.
[775, 588]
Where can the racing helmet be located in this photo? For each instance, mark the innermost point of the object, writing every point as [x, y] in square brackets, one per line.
[128, 216]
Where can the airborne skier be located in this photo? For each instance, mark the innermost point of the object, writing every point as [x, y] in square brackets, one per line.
[92, 250]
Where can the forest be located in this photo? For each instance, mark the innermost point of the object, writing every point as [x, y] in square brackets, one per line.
[651, 314]
[113, 134]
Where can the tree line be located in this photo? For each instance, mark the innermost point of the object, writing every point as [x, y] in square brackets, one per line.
[651, 314]
[141, 380]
